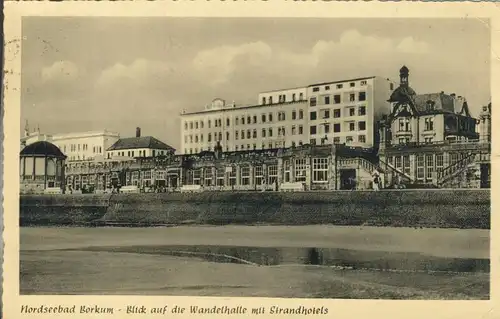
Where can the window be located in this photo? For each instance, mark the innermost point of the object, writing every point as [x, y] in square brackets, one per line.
[254, 119]
[196, 125]
[352, 97]
[201, 138]
[263, 146]
[235, 135]
[312, 116]
[316, 89]
[294, 115]
[263, 132]
[362, 138]
[361, 126]
[272, 173]
[336, 140]
[327, 128]
[242, 134]
[196, 138]
[270, 132]
[352, 84]
[236, 121]
[301, 96]
[254, 146]
[352, 126]
[320, 170]
[245, 175]
[242, 120]
[281, 116]
[362, 96]
[263, 118]
[336, 99]
[336, 113]
[336, 127]
[429, 165]
[270, 100]
[300, 170]
[439, 161]
[312, 101]
[301, 114]
[259, 175]
[363, 83]
[429, 124]
[185, 126]
[207, 176]
[301, 130]
[398, 162]
[312, 130]
[406, 164]
[220, 136]
[294, 130]
[249, 120]
[242, 147]
[326, 114]
[227, 136]
[209, 124]
[349, 139]
[264, 101]
[270, 145]
[362, 110]
[254, 133]
[284, 98]
[391, 86]
[236, 148]
[339, 86]
[327, 99]
[293, 97]
[249, 134]
[312, 141]
[352, 111]
[228, 122]
[270, 117]
[327, 88]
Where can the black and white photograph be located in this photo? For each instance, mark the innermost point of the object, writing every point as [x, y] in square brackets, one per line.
[277, 157]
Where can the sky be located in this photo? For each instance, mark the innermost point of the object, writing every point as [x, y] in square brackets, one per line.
[119, 73]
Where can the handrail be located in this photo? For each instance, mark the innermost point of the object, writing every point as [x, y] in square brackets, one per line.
[449, 171]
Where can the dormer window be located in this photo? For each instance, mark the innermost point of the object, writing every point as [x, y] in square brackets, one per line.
[430, 105]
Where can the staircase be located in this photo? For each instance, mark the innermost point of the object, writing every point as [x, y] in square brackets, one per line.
[449, 172]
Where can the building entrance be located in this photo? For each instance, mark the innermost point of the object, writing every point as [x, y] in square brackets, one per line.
[347, 179]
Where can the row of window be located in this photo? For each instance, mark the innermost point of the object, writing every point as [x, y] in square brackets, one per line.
[296, 115]
[81, 147]
[282, 98]
[337, 127]
[139, 153]
[340, 86]
[295, 130]
[265, 118]
[405, 126]
[337, 113]
[337, 99]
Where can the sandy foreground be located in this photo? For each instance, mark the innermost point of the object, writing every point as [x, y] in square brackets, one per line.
[93, 266]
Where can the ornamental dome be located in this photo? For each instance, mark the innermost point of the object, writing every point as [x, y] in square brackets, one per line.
[42, 149]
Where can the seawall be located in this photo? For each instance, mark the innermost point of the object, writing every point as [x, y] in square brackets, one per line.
[410, 208]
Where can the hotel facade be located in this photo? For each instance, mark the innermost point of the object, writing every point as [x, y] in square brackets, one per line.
[335, 112]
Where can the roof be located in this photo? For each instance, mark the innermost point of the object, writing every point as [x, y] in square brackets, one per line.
[42, 149]
[139, 142]
[342, 81]
[441, 102]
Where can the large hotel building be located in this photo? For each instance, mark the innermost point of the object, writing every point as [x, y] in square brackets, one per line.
[339, 112]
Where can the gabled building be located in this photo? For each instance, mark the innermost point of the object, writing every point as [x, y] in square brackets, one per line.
[138, 146]
[430, 139]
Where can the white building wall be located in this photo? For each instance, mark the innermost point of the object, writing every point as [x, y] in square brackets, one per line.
[201, 131]
[346, 112]
[86, 145]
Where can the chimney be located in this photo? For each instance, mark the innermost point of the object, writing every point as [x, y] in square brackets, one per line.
[138, 132]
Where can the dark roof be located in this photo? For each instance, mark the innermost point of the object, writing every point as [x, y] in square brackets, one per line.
[402, 93]
[342, 81]
[140, 142]
[441, 101]
[42, 149]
